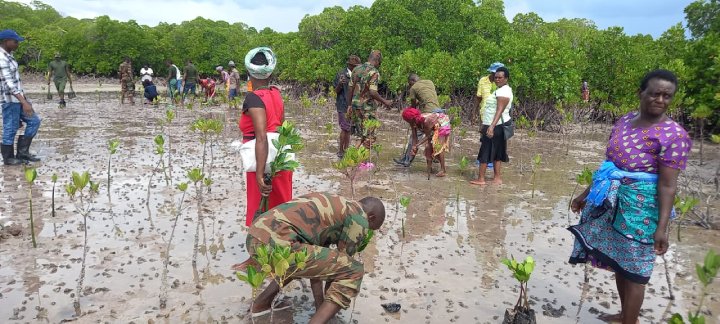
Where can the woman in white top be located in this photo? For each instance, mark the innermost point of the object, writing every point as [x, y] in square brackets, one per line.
[496, 113]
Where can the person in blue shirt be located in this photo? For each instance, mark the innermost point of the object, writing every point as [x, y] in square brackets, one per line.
[150, 92]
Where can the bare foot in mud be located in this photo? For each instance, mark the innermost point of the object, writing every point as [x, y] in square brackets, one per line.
[478, 182]
[497, 181]
[243, 266]
[440, 174]
[613, 318]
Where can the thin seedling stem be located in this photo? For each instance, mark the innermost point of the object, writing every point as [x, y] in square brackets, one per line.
[32, 222]
[163, 292]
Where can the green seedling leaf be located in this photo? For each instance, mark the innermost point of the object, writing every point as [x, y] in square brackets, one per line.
[30, 175]
[159, 140]
[585, 177]
[676, 319]
[182, 186]
[715, 138]
[208, 182]
[54, 178]
[113, 145]
[195, 175]
[405, 201]
[366, 240]
[94, 187]
[70, 189]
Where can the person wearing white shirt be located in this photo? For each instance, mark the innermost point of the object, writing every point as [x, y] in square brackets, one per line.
[146, 73]
[496, 114]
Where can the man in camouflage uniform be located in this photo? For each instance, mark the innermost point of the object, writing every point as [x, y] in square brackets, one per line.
[127, 84]
[314, 222]
[363, 95]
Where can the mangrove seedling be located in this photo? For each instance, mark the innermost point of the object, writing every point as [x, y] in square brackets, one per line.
[582, 179]
[54, 179]
[30, 176]
[277, 262]
[464, 164]
[706, 274]
[160, 151]
[536, 160]
[349, 165]
[82, 191]
[405, 203]
[113, 145]
[370, 126]
[287, 144]
[163, 289]
[521, 271]
[209, 130]
[196, 176]
[684, 205]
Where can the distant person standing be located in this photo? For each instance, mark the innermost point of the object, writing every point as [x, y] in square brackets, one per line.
[363, 95]
[59, 73]
[224, 79]
[486, 86]
[15, 107]
[342, 78]
[190, 77]
[234, 80]
[174, 79]
[146, 73]
[585, 91]
[127, 84]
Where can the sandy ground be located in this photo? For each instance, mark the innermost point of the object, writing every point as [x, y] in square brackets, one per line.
[445, 269]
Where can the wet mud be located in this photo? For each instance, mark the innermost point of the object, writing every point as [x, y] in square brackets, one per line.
[439, 259]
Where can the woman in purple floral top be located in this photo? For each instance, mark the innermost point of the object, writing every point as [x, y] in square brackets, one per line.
[625, 212]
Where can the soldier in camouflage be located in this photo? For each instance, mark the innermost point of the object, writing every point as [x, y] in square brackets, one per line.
[127, 84]
[363, 95]
[314, 222]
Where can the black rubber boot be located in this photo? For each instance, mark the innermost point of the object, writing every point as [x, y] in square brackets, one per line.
[409, 160]
[23, 149]
[8, 154]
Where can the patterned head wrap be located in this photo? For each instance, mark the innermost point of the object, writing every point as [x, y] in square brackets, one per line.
[412, 115]
[261, 72]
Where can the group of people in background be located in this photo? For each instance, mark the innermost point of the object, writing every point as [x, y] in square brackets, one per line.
[625, 213]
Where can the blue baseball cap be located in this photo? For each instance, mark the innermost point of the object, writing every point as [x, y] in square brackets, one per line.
[10, 34]
[493, 67]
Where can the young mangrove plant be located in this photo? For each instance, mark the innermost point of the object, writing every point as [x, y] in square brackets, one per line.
[113, 145]
[54, 179]
[405, 203]
[279, 263]
[582, 179]
[169, 117]
[706, 273]
[209, 130]
[350, 164]
[164, 286]
[521, 313]
[464, 164]
[370, 126]
[30, 176]
[287, 144]
[82, 192]
[196, 176]
[536, 160]
[160, 152]
[684, 205]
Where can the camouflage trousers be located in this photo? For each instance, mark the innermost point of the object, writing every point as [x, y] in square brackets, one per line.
[325, 264]
[127, 89]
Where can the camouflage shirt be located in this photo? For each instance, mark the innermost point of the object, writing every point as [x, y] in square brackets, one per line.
[365, 77]
[126, 71]
[317, 219]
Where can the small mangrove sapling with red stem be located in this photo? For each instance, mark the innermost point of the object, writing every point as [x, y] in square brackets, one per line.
[582, 179]
[351, 162]
[684, 205]
[30, 176]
